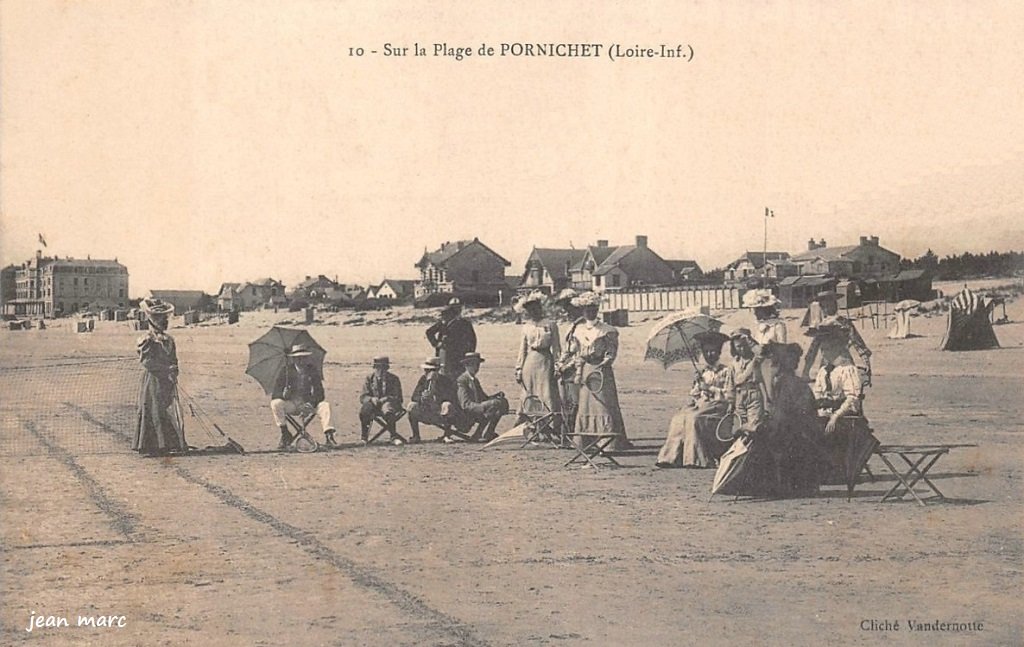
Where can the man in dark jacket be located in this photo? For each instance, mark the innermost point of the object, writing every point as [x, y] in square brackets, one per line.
[381, 396]
[299, 391]
[452, 337]
[435, 401]
[484, 410]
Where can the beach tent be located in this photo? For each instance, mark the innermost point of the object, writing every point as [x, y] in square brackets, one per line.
[968, 327]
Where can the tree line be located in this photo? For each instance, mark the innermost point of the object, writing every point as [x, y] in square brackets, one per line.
[968, 265]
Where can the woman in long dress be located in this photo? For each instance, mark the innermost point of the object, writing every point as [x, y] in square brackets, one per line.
[769, 334]
[598, 343]
[160, 428]
[691, 440]
[539, 346]
[565, 365]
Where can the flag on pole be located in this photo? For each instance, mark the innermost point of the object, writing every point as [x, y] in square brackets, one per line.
[42, 241]
[768, 213]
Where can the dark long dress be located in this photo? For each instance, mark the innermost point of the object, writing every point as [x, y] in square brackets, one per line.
[160, 427]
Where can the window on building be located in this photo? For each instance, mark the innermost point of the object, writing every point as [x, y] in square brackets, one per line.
[120, 292]
[615, 279]
[76, 280]
[597, 281]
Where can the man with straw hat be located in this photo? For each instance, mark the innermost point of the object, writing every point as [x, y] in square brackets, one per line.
[381, 396]
[300, 390]
[160, 429]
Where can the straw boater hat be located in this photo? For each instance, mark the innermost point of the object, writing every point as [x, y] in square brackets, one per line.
[587, 299]
[154, 307]
[472, 357]
[454, 304]
[759, 299]
[300, 350]
[381, 360]
[432, 363]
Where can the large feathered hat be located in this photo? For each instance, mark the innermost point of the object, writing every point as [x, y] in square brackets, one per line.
[760, 298]
[587, 299]
[154, 307]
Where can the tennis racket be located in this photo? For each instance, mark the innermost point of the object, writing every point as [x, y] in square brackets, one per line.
[533, 406]
[304, 444]
[594, 381]
[728, 427]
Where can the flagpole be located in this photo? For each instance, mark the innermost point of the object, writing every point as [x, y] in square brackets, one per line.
[764, 280]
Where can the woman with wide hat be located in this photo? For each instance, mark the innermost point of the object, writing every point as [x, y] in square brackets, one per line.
[161, 429]
[769, 334]
[539, 346]
[598, 344]
[691, 440]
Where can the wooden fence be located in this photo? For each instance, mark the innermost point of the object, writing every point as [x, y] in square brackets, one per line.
[675, 298]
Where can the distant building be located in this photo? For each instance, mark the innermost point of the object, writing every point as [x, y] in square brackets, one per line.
[632, 265]
[862, 261]
[685, 270]
[249, 296]
[8, 284]
[392, 290]
[750, 265]
[602, 267]
[461, 267]
[550, 270]
[582, 273]
[781, 268]
[315, 289]
[183, 300]
[51, 287]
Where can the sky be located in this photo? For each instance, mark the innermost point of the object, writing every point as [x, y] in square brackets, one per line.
[203, 142]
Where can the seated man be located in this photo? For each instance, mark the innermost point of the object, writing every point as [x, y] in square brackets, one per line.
[838, 391]
[435, 402]
[300, 390]
[485, 410]
[381, 396]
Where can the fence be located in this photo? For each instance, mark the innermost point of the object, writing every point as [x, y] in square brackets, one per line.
[673, 298]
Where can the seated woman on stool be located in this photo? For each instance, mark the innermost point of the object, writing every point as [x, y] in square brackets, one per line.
[691, 438]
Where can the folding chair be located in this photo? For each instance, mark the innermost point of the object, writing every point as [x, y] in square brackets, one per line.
[588, 452]
[384, 425]
[542, 423]
[303, 443]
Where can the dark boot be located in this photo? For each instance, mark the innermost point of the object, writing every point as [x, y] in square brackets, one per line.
[286, 438]
[329, 438]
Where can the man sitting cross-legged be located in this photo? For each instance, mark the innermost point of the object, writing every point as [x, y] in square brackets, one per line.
[381, 396]
[484, 410]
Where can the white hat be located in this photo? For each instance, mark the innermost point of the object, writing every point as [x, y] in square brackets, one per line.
[587, 299]
[761, 298]
[534, 297]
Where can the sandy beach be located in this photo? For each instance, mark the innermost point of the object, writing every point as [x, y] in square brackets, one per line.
[454, 545]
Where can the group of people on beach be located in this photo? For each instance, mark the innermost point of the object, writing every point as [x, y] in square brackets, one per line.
[759, 393]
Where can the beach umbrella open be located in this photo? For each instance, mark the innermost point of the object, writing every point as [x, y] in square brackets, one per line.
[268, 355]
[672, 338]
[731, 467]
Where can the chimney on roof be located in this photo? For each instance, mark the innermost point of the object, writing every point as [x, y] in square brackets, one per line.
[864, 240]
[459, 244]
[641, 241]
[602, 243]
[811, 245]
[822, 244]
[874, 240]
